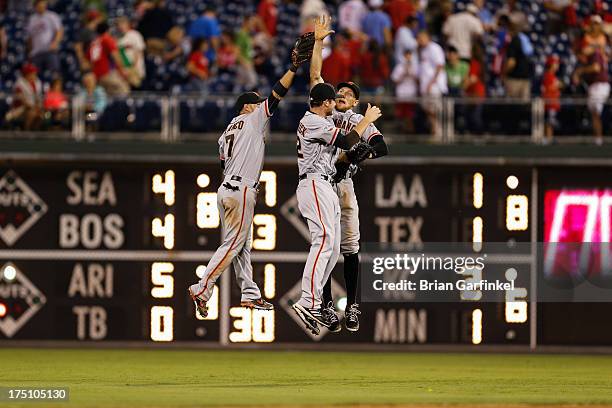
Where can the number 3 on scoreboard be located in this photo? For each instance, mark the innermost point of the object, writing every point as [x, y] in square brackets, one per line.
[229, 145]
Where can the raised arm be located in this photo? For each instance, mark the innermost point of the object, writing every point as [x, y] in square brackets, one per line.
[354, 136]
[377, 146]
[302, 52]
[322, 26]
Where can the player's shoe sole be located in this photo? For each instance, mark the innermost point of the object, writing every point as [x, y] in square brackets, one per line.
[352, 328]
[200, 304]
[259, 304]
[306, 317]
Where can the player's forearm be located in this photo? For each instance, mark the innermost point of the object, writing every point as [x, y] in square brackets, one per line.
[316, 63]
[352, 137]
[285, 83]
[279, 90]
[379, 145]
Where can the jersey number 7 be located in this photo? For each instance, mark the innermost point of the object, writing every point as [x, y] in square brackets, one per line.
[229, 143]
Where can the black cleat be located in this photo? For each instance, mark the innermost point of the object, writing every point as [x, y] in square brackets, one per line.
[351, 318]
[309, 317]
[329, 315]
[260, 304]
[200, 304]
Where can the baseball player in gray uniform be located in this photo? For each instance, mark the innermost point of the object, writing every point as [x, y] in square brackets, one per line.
[241, 150]
[317, 141]
[346, 119]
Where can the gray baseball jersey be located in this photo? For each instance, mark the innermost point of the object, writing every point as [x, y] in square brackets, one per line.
[242, 144]
[349, 219]
[318, 203]
[315, 144]
[346, 121]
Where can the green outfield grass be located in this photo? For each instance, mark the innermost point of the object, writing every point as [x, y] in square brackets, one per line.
[168, 378]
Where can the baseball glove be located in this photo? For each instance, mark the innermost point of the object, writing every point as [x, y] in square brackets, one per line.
[341, 170]
[345, 171]
[359, 152]
[302, 50]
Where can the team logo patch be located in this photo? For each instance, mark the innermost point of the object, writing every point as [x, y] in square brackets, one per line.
[20, 207]
[19, 299]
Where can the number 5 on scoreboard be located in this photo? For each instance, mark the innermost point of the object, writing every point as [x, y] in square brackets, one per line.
[162, 279]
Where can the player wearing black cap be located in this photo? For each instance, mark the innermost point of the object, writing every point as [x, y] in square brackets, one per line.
[346, 119]
[317, 142]
[241, 150]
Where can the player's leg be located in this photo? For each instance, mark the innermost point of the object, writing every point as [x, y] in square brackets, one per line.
[349, 246]
[243, 268]
[327, 291]
[232, 208]
[329, 312]
[316, 200]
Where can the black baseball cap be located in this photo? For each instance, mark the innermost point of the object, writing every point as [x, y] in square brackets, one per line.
[352, 86]
[247, 98]
[322, 92]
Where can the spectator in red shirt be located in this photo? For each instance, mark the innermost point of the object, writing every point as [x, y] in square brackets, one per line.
[227, 54]
[337, 67]
[551, 92]
[374, 69]
[475, 88]
[56, 103]
[268, 12]
[354, 44]
[26, 108]
[85, 36]
[198, 66]
[106, 62]
[399, 11]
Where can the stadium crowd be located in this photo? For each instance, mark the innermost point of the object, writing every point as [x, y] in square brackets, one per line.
[406, 48]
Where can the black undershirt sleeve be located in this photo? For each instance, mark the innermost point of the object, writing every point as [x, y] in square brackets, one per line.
[379, 145]
[344, 141]
[272, 103]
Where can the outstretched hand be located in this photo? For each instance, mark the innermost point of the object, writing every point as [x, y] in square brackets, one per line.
[322, 27]
[372, 113]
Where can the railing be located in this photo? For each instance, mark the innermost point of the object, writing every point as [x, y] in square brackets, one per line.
[192, 117]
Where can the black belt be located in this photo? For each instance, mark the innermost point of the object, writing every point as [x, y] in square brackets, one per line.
[239, 179]
[322, 176]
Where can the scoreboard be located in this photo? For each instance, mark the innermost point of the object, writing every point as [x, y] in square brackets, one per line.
[97, 251]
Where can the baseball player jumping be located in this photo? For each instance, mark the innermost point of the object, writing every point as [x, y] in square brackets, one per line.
[241, 150]
[346, 119]
[317, 141]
